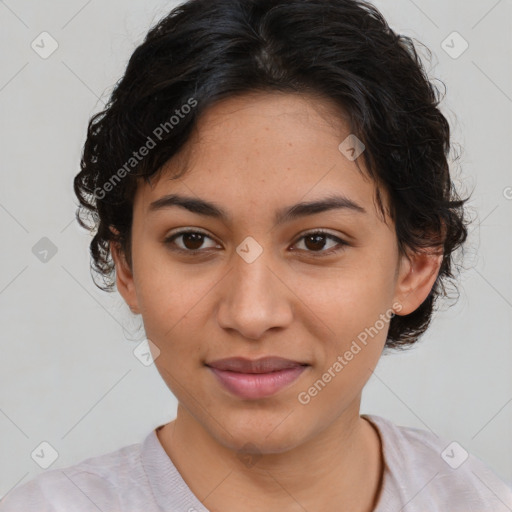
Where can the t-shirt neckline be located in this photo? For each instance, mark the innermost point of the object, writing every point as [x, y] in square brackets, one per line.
[171, 492]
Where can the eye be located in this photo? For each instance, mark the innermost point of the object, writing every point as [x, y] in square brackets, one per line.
[191, 242]
[315, 242]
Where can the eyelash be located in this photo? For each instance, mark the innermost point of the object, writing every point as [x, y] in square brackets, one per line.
[341, 243]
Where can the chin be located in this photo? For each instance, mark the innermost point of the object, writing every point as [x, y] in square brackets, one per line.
[263, 433]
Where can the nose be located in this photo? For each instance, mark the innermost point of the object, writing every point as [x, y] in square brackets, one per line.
[255, 298]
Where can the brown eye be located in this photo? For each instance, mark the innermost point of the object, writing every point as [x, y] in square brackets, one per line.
[191, 241]
[316, 241]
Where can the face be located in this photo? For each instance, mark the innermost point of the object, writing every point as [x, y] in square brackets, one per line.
[249, 277]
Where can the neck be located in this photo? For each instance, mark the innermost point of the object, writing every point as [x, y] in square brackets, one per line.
[343, 466]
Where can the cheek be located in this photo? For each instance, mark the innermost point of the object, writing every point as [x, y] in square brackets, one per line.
[164, 300]
[354, 303]
[165, 290]
[351, 297]
[358, 322]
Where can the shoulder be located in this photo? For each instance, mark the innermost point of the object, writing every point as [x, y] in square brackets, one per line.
[424, 470]
[92, 484]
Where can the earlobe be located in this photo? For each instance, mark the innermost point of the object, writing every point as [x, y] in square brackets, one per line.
[124, 277]
[416, 277]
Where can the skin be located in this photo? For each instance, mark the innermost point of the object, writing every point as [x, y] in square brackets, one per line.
[252, 155]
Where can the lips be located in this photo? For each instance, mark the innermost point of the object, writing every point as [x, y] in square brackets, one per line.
[258, 378]
[262, 365]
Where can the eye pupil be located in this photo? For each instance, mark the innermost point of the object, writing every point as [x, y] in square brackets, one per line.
[196, 238]
[316, 241]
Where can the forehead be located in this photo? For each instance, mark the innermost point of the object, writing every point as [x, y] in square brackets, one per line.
[263, 150]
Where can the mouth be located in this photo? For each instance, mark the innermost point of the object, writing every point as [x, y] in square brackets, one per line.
[257, 378]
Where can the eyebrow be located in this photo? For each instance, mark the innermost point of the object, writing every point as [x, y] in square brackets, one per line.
[286, 214]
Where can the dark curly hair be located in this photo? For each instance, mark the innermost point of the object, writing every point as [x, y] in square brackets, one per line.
[341, 50]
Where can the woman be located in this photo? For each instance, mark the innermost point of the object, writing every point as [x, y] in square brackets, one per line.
[270, 191]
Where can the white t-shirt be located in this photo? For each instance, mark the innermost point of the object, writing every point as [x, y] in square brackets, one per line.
[422, 473]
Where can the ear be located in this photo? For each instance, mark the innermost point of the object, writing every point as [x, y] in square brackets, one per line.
[124, 277]
[417, 274]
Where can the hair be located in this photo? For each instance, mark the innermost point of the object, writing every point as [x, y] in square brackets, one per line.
[342, 50]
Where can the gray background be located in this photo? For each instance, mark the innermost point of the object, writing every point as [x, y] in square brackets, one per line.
[68, 373]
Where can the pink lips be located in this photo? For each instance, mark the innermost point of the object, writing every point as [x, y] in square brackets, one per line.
[259, 378]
